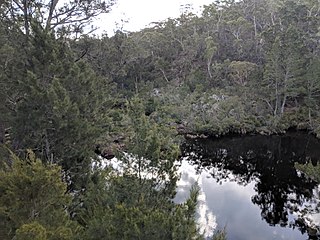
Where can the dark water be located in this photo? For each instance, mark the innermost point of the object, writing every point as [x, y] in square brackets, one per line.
[251, 186]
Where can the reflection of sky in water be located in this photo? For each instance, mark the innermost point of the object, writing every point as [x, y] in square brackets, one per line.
[206, 220]
[315, 217]
[229, 204]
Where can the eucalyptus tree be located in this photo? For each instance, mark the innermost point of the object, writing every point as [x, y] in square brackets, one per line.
[71, 16]
[313, 94]
[287, 56]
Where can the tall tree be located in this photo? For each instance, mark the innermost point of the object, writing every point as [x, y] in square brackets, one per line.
[67, 16]
[285, 68]
[63, 109]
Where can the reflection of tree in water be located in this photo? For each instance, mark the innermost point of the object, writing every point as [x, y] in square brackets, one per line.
[269, 161]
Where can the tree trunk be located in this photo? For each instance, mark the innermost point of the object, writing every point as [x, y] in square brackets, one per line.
[52, 7]
[277, 100]
[26, 18]
[283, 103]
[209, 67]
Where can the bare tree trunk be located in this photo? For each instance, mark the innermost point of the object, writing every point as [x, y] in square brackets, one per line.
[164, 75]
[310, 118]
[277, 100]
[255, 26]
[209, 67]
[26, 18]
[283, 103]
[286, 77]
[136, 85]
[268, 103]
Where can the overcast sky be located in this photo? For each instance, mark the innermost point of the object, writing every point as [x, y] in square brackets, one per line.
[139, 13]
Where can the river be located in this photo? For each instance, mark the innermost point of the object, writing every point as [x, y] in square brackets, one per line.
[249, 185]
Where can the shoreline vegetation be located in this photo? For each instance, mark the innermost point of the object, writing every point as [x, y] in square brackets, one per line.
[67, 96]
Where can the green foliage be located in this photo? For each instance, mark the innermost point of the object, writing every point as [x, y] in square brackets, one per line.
[150, 142]
[71, 17]
[220, 235]
[284, 70]
[128, 208]
[31, 231]
[4, 156]
[310, 170]
[135, 200]
[242, 67]
[33, 200]
[259, 51]
[64, 107]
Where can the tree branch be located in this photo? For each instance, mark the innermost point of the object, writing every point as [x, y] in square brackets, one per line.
[52, 8]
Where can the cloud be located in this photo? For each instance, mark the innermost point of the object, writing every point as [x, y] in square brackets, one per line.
[205, 217]
[135, 15]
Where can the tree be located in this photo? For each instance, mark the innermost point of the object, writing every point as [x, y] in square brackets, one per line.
[121, 206]
[32, 231]
[67, 17]
[210, 52]
[12, 68]
[33, 200]
[51, 97]
[135, 200]
[63, 109]
[150, 156]
[241, 71]
[284, 70]
[313, 92]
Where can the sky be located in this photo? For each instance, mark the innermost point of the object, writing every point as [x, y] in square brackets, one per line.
[133, 15]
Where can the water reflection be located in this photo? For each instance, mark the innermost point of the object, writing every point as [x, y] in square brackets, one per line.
[206, 220]
[265, 164]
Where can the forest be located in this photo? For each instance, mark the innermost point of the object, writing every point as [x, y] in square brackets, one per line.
[71, 100]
